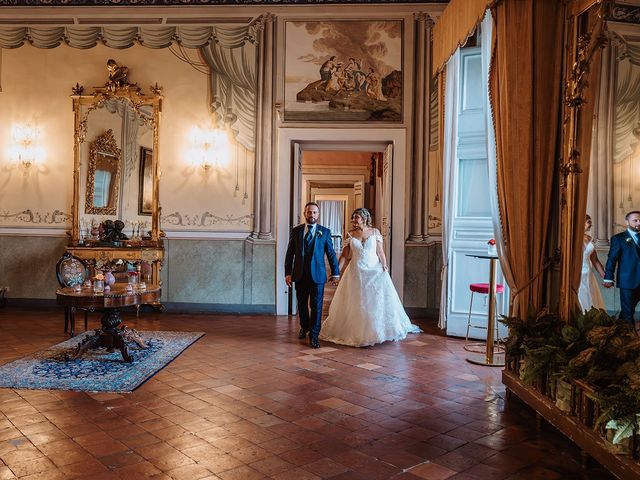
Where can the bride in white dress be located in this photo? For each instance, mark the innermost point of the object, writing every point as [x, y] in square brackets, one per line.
[366, 308]
[589, 291]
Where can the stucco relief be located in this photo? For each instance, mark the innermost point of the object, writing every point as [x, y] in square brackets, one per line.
[55, 217]
[205, 219]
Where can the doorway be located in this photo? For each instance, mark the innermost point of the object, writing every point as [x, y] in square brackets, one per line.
[300, 182]
[340, 181]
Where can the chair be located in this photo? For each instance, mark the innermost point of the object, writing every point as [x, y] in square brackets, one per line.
[478, 347]
[72, 271]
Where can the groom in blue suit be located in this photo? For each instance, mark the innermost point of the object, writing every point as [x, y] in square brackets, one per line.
[624, 253]
[304, 266]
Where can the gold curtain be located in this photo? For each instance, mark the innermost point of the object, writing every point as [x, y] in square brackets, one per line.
[452, 29]
[524, 86]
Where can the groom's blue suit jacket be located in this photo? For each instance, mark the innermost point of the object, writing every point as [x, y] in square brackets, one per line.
[294, 259]
[624, 254]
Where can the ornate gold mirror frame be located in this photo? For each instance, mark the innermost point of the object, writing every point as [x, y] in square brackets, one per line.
[104, 155]
[585, 37]
[147, 108]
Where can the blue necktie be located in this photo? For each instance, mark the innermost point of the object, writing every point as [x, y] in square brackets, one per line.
[308, 239]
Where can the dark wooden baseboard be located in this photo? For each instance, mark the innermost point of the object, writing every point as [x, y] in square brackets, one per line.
[232, 309]
[422, 312]
[171, 307]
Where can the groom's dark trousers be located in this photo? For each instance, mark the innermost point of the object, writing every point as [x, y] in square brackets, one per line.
[305, 263]
[309, 296]
[624, 261]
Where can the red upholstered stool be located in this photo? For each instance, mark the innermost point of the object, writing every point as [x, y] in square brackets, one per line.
[482, 288]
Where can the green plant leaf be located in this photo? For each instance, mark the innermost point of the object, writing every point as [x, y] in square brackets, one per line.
[624, 429]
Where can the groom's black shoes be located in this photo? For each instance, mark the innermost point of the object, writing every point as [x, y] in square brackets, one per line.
[302, 333]
[314, 343]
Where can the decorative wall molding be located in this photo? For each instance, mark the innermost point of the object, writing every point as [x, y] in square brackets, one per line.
[198, 235]
[43, 218]
[33, 232]
[182, 3]
[434, 222]
[205, 219]
[625, 13]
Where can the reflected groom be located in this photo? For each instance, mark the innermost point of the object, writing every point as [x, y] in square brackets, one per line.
[309, 243]
[624, 260]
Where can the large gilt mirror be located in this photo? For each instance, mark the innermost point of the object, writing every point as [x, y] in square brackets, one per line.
[116, 152]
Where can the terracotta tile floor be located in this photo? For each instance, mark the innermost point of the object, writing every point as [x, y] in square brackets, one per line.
[251, 401]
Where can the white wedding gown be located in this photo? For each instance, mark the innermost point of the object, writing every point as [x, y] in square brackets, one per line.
[366, 308]
[589, 292]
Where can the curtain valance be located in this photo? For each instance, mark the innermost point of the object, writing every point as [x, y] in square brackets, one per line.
[229, 51]
[227, 36]
[234, 89]
[453, 28]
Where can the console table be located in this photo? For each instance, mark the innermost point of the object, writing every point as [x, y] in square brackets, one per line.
[112, 335]
[153, 255]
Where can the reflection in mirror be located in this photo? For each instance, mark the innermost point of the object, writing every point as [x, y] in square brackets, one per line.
[121, 182]
[102, 183]
[145, 190]
[103, 175]
[624, 73]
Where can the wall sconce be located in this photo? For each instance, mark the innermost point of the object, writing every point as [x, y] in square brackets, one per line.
[26, 150]
[210, 148]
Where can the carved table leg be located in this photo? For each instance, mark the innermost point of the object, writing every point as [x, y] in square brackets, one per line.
[90, 341]
[72, 321]
[110, 336]
[123, 349]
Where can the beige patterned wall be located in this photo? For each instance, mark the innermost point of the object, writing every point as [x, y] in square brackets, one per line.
[36, 89]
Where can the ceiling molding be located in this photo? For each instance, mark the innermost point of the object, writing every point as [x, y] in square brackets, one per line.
[197, 12]
[183, 3]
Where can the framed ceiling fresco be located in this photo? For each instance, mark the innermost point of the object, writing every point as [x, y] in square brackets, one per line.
[343, 71]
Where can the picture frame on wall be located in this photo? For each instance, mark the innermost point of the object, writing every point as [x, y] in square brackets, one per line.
[145, 191]
[343, 71]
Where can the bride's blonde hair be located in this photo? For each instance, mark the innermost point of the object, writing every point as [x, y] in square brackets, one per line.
[364, 214]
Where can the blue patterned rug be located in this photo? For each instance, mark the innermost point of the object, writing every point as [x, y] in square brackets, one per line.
[97, 370]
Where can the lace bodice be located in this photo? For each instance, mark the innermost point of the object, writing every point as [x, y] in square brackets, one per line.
[363, 252]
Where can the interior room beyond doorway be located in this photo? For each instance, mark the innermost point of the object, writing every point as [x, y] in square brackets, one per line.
[339, 182]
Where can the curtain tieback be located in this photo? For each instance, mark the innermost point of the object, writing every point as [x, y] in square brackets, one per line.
[546, 265]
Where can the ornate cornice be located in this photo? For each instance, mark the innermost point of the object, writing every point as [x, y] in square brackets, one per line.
[424, 17]
[182, 3]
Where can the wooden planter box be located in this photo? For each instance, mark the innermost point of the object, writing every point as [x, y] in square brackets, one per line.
[578, 424]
